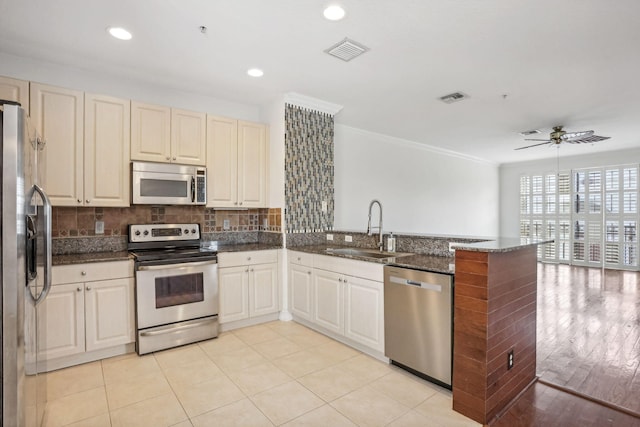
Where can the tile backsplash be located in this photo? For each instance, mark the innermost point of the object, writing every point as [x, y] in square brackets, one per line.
[80, 221]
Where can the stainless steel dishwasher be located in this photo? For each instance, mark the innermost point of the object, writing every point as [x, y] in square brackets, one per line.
[418, 321]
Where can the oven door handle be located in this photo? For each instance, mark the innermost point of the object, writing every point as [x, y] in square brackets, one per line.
[172, 329]
[181, 265]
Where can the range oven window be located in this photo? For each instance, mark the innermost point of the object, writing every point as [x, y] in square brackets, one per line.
[163, 188]
[179, 290]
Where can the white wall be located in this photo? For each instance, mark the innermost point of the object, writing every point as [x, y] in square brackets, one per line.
[510, 179]
[422, 189]
[90, 81]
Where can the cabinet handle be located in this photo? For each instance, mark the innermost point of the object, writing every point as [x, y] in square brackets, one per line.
[168, 158]
[298, 258]
[235, 203]
[248, 258]
[174, 158]
[88, 288]
[345, 280]
[240, 203]
[88, 201]
[309, 272]
[340, 279]
[79, 289]
[83, 273]
[247, 270]
[252, 270]
[79, 201]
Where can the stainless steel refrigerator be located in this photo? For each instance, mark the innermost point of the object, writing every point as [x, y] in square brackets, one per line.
[25, 228]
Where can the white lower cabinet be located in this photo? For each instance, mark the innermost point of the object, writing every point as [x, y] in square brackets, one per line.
[342, 296]
[329, 300]
[89, 308]
[248, 284]
[364, 312]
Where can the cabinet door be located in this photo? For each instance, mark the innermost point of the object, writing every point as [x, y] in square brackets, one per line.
[263, 289]
[188, 137]
[106, 151]
[150, 132]
[233, 284]
[109, 313]
[301, 291]
[61, 318]
[328, 300]
[252, 165]
[58, 116]
[222, 162]
[364, 312]
[15, 90]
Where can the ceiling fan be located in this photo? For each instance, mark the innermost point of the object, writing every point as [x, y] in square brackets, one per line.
[559, 136]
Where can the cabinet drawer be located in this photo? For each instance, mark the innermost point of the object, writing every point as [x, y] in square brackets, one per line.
[301, 258]
[75, 273]
[234, 259]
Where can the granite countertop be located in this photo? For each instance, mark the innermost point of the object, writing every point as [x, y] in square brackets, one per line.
[438, 264]
[230, 247]
[90, 257]
[501, 244]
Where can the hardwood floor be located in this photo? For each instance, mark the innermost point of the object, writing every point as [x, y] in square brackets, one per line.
[588, 333]
[544, 406]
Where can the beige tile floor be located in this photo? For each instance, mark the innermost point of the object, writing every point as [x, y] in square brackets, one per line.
[279, 373]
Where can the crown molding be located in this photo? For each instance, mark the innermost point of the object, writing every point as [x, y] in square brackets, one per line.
[312, 103]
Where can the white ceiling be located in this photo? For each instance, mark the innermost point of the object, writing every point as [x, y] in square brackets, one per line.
[569, 62]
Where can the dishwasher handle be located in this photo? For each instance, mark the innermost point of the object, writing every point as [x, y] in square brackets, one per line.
[409, 282]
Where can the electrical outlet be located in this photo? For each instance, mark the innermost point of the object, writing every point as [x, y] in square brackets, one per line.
[329, 236]
[348, 239]
[225, 224]
[324, 206]
[99, 227]
[510, 360]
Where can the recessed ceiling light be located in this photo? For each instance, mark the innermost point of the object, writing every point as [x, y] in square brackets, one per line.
[255, 72]
[334, 13]
[119, 33]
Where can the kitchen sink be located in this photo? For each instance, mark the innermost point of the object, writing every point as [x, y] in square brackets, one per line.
[366, 253]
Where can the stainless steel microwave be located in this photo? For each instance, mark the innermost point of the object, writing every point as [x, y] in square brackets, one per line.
[168, 184]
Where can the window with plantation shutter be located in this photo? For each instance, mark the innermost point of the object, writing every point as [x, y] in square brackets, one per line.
[592, 215]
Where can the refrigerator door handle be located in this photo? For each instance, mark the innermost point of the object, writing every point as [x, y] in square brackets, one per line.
[47, 243]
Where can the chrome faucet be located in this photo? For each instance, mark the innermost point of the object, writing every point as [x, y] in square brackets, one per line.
[369, 233]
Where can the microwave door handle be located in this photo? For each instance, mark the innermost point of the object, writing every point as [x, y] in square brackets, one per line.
[47, 244]
[193, 190]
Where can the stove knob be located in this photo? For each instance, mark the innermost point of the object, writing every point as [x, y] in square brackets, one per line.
[137, 232]
[146, 232]
[186, 231]
[193, 230]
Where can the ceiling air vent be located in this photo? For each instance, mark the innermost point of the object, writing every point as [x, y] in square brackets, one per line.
[347, 50]
[530, 132]
[453, 97]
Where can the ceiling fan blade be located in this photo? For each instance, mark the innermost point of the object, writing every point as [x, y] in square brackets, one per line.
[570, 136]
[534, 145]
[528, 139]
[588, 139]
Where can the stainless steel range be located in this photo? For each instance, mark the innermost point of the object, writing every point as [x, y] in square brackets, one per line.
[176, 286]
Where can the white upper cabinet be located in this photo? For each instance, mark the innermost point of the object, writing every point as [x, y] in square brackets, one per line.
[237, 163]
[165, 135]
[15, 90]
[87, 146]
[106, 151]
[150, 132]
[57, 114]
[188, 137]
